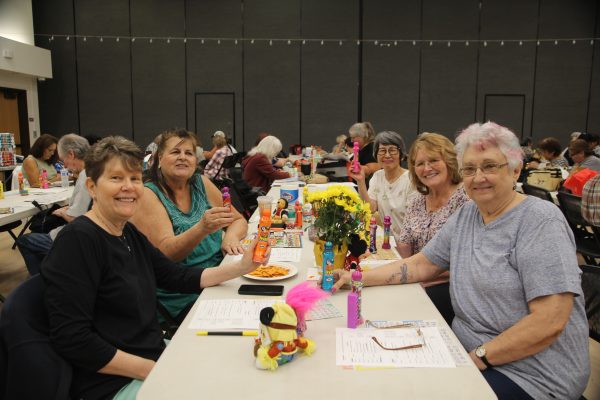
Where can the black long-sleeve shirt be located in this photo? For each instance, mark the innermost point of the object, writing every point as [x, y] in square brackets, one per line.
[101, 296]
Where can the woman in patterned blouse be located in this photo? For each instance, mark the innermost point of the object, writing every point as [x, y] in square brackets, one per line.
[434, 170]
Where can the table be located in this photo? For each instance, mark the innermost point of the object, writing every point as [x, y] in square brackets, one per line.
[222, 367]
[23, 207]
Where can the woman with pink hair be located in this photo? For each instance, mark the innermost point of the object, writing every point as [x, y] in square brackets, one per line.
[514, 283]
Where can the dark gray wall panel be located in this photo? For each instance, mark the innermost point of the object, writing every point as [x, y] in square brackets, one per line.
[561, 88]
[215, 68]
[329, 93]
[391, 19]
[214, 112]
[272, 92]
[271, 18]
[157, 18]
[458, 19]
[448, 87]
[390, 97]
[53, 17]
[57, 97]
[506, 110]
[593, 123]
[333, 19]
[159, 100]
[507, 69]
[104, 88]
[213, 18]
[391, 88]
[106, 17]
[329, 101]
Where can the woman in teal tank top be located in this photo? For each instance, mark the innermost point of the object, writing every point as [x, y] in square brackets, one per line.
[182, 214]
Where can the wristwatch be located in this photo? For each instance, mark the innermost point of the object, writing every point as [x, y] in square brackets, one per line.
[481, 353]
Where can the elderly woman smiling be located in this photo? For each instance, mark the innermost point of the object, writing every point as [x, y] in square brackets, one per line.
[515, 283]
[182, 214]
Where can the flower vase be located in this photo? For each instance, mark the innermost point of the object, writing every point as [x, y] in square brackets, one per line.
[339, 253]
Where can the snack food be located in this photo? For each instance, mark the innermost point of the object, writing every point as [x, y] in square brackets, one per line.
[269, 271]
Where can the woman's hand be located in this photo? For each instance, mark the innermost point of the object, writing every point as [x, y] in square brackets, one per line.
[60, 212]
[360, 176]
[216, 218]
[247, 265]
[341, 278]
[232, 246]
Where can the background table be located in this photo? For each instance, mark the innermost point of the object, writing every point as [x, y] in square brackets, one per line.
[222, 367]
[23, 206]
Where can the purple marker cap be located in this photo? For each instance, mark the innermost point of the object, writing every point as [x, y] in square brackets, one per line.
[387, 219]
[356, 275]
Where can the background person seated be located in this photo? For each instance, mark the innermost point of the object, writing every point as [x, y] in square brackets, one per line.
[213, 168]
[182, 214]
[257, 165]
[583, 156]
[34, 247]
[42, 156]
[550, 150]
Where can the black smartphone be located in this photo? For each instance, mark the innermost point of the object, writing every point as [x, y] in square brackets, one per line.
[261, 290]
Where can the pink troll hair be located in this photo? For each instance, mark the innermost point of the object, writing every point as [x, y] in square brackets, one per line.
[303, 297]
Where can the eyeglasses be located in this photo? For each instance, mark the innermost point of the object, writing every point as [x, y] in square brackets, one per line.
[431, 163]
[412, 346]
[487, 169]
[392, 151]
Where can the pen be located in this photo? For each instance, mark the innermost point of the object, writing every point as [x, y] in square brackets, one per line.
[227, 333]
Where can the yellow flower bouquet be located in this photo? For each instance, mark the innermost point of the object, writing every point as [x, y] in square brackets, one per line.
[339, 212]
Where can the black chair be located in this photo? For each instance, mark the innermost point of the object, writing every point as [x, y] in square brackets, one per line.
[8, 228]
[29, 366]
[231, 161]
[243, 196]
[587, 237]
[590, 284]
[537, 192]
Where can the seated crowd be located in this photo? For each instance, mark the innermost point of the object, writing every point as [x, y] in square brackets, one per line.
[128, 241]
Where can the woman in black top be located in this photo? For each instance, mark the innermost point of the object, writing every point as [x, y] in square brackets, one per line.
[364, 134]
[102, 275]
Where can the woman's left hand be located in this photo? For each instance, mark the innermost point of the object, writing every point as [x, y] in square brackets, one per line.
[232, 247]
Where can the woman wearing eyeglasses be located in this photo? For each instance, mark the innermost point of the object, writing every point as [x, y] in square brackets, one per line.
[390, 187]
[515, 283]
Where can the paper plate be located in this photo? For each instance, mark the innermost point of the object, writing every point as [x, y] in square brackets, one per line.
[292, 271]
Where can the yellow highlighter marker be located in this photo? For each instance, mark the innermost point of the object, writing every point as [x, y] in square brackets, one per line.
[227, 333]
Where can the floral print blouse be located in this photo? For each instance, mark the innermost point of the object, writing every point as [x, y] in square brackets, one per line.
[421, 225]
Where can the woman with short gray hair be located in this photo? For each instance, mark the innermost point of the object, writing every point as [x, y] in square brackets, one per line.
[364, 134]
[390, 187]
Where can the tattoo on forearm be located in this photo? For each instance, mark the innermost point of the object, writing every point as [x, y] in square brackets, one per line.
[403, 274]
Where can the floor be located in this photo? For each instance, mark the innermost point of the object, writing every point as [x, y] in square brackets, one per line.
[13, 272]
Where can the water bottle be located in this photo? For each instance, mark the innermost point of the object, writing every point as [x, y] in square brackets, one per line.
[327, 282]
[64, 178]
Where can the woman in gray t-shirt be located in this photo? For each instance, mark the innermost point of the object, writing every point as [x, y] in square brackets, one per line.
[515, 284]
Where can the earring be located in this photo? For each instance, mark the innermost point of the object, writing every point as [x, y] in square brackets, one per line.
[514, 185]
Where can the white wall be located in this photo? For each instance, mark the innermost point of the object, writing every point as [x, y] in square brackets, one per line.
[16, 20]
[16, 23]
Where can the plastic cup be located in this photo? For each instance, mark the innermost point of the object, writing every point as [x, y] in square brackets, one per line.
[264, 202]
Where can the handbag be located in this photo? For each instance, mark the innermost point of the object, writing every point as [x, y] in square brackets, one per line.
[577, 180]
[44, 221]
[548, 179]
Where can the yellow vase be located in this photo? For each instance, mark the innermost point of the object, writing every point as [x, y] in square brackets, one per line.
[339, 253]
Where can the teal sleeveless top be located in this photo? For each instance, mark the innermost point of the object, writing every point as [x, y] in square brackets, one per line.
[206, 254]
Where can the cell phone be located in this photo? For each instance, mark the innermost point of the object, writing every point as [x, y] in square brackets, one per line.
[261, 290]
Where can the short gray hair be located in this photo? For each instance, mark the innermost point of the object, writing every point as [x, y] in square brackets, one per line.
[269, 146]
[363, 130]
[78, 144]
[487, 135]
[389, 137]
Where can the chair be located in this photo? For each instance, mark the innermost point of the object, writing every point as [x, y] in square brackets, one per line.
[587, 238]
[30, 368]
[230, 162]
[537, 192]
[590, 284]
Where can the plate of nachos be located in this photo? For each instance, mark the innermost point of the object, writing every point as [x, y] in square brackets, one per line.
[273, 272]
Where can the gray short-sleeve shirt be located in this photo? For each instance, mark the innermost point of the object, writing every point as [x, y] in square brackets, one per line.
[496, 269]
